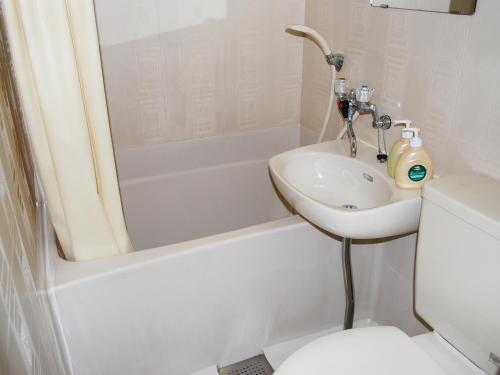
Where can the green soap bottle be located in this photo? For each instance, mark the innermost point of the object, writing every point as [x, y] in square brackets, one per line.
[399, 146]
[415, 166]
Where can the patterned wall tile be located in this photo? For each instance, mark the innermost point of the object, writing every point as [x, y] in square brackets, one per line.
[247, 108]
[290, 104]
[439, 70]
[248, 59]
[153, 116]
[149, 69]
[201, 114]
[204, 72]
[393, 83]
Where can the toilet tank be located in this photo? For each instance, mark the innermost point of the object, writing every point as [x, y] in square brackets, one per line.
[457, 282]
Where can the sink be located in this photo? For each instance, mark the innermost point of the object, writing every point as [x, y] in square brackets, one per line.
[350, 197]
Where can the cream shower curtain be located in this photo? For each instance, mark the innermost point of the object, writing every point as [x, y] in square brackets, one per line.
[58, 70]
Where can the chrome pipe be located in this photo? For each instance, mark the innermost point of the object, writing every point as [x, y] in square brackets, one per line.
[348, 284]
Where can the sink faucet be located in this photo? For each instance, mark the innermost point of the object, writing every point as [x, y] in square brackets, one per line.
[357, 102]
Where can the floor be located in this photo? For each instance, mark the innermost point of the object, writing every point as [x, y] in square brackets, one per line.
[276, 354]
[448, 358]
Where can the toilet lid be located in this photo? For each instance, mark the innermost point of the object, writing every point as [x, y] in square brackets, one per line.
[372, 350]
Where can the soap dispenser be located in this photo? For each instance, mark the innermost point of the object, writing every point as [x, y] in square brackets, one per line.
[399, 146]
[414, 167]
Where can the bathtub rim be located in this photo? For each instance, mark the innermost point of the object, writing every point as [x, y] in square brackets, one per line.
[67, 273]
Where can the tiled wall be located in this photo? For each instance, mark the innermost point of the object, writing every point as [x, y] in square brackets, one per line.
[183, 69]
[28, 344]
[441, 71]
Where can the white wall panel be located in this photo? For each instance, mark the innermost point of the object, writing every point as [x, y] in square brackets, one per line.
[177, 70]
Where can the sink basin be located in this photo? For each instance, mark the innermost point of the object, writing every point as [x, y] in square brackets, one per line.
[350, 197]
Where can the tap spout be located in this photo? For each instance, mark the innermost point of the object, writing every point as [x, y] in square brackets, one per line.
[352, 138]
[375, 119]
[358, 103]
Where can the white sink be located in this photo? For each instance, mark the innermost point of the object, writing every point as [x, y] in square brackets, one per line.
[353, 198]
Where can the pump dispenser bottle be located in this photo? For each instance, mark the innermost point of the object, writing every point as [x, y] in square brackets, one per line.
[399, 146]
[414, 167]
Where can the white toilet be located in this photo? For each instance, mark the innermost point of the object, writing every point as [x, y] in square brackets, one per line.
[457, 292]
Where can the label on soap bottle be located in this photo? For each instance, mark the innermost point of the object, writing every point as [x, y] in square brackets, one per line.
[417, 173]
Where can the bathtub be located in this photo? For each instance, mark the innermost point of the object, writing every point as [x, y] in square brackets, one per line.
[187, 190]
[241, 275]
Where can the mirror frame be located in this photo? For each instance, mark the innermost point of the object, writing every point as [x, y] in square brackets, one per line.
[459, 7]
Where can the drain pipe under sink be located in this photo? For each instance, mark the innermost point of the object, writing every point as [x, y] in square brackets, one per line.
[348, 284]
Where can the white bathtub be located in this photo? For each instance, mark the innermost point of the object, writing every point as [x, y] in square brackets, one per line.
[187, 190]
[180, 308]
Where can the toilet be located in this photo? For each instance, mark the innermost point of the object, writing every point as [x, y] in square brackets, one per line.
[457, 293]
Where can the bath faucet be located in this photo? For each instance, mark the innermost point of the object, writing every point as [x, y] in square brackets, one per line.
[357, 102]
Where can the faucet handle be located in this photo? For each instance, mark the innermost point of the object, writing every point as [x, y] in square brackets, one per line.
[341, 87]
[364, 94]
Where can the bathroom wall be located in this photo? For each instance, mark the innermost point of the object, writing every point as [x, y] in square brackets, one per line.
[184, 69]
[439, 70]
[28, 344]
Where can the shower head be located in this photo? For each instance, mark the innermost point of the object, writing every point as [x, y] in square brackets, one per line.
[336, 60]
[301, 30]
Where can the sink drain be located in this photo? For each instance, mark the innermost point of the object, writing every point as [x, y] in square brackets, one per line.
[350, 206]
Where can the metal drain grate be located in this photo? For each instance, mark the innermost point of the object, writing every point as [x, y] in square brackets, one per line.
[258, 365]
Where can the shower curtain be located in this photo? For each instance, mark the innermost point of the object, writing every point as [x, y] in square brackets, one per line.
[57, 65]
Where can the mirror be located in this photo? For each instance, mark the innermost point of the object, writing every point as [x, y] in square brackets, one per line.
[445, 6]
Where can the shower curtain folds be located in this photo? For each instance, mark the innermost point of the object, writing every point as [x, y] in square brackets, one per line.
[58, 70]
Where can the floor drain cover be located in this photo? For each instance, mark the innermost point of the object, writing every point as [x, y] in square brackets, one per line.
[258, 365]
[350, 206]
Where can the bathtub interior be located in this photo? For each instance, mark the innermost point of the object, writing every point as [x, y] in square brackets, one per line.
[188, 190]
